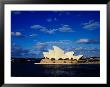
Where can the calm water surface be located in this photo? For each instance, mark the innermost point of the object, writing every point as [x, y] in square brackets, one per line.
[34, 70]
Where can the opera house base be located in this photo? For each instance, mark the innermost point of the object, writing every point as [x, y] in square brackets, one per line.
[84, 61]
[49, 61]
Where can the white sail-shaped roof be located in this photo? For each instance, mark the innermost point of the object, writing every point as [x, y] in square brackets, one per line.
[45, 53]
[77, 57]
[51, 53]
[69, 54]
[59, 53]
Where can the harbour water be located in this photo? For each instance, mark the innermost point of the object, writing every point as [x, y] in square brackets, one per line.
[29, 69]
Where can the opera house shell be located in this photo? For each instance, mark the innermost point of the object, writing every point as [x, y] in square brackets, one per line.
[58, 56]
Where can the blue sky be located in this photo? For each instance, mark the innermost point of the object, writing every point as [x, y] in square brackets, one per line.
[33, 32]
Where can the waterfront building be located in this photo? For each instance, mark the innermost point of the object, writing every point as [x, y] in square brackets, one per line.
[58, 55]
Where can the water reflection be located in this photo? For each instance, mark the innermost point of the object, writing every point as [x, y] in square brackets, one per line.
[55, 70]
[60, 70]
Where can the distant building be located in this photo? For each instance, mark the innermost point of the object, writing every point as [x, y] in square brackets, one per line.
[57, 55]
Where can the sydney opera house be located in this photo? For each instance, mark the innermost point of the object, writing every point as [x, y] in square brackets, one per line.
[57, 55]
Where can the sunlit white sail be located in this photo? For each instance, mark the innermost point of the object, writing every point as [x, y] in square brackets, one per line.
[58, 53]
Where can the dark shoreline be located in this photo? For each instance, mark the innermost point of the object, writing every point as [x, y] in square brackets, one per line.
[93, 60]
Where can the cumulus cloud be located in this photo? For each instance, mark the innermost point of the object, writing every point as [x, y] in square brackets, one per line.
[16, 34]
[87, 41]
[91, 25]
[43, 29]
[82, 41]
[37, 27]
[51, 31]
[65, 28]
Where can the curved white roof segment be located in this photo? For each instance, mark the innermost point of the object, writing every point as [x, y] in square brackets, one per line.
[59, 53]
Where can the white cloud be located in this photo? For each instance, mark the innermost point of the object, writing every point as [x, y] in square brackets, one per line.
[37, 27]
[82, 41]
[65, 28]
[43, 29]
[16, 34]
[87, 41]
[51, 31]
[91, 25]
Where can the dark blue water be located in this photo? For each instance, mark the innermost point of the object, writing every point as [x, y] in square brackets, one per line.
[34, 70]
